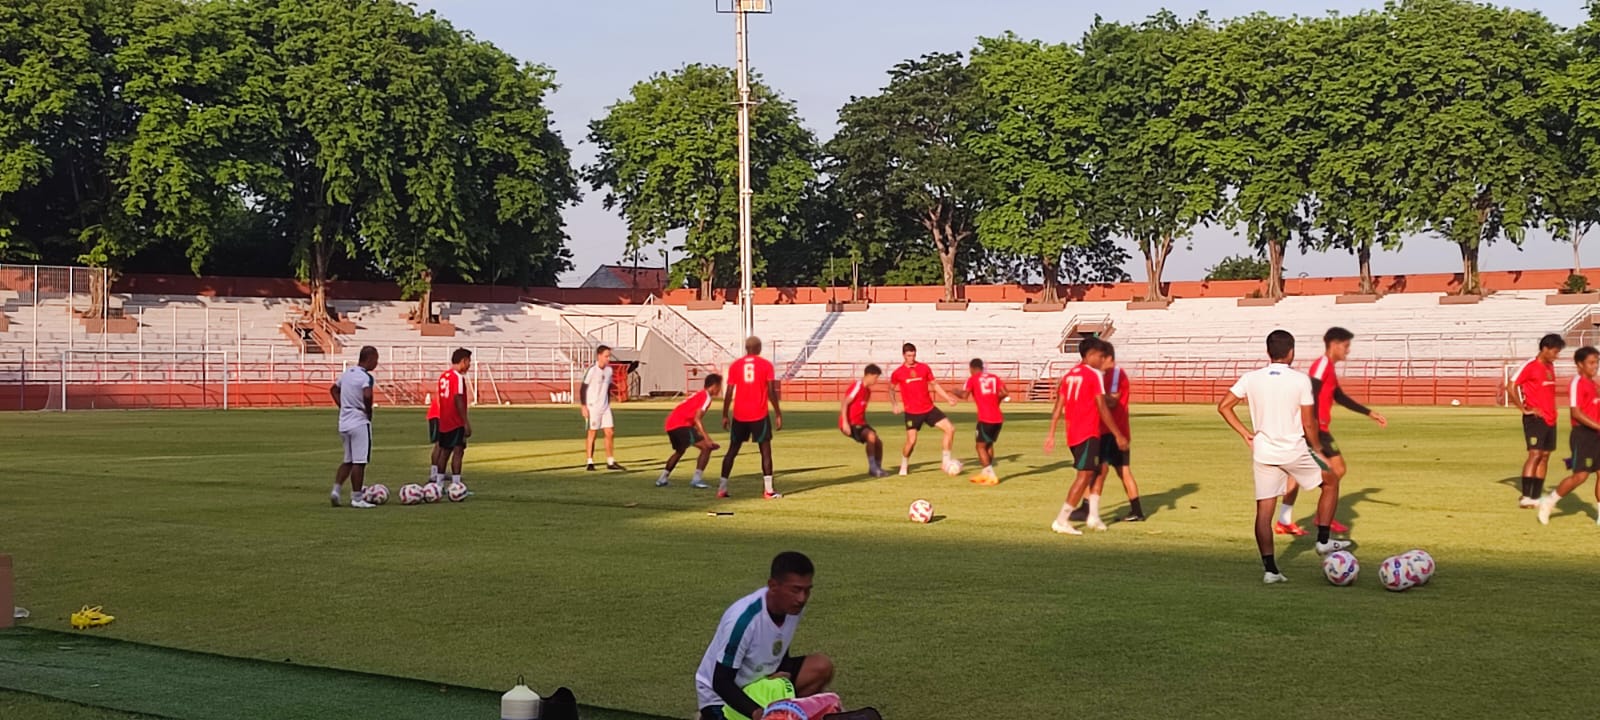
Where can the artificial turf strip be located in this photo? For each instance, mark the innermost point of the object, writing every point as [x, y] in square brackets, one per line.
[23, 706]
[130, 677]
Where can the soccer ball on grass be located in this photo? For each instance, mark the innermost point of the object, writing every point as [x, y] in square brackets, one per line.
[1421, 564]
[1397, 574]
[951, 466]
[1341, 568]
[431, 493]
[456, 492]
[410, 494]
[921, 512]
[377, 494]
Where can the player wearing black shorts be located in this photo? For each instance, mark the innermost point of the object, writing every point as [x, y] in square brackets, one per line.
[752, 388]
[912, 388]
[685, 429]
[1326, 393]
[987, 391]
[1533, 390]
[853, 418]
[1584, 402]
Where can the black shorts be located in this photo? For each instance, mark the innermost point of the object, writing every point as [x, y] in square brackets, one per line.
[1086, 455]
[1585, 449]
[1330, 447]
[758, 431]
[989, 433]
[916, 421]
[1112, 455]
[1539, 434]
[858, 433]
[452, 439]
[683, 438]
[433, 431]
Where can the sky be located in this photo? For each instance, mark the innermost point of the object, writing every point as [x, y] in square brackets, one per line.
[820, 53]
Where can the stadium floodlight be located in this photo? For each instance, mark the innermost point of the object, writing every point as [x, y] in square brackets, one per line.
[740, 9]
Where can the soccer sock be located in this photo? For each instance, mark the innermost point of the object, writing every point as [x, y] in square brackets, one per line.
[455, 479]
[664, 475]
[1137, 510]
[1527, 486]
[945, 455]
[1286, 514]
[610, 460]
[1538, 487]
[722, 485]
[1065, 516]
[1094, 507]
[1322, 533]
[766, 480]
[699, 475]
[1270, 563]
[336, 490]
[591, 460]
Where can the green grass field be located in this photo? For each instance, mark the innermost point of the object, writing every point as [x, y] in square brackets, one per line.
[211, 531]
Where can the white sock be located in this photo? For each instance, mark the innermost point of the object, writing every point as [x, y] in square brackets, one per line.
[610, 460]
[767, 481]
[1094, 507]
[905, 461]
[455, 479]
[722, 484]
[1286, 514]
[1064, 517]
[664, 475]
[335, 491]
[699, 475]
[945, 455]
[988, 469]
[591, 459]
[1556, 495]
[433, 473]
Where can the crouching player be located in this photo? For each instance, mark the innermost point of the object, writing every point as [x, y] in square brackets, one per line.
[751, 648]
[853, 419]
[685, 429]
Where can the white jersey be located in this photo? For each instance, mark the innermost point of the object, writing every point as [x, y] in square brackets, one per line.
[747, 640]
[1276, 394]
[353, 384]
[599, 381]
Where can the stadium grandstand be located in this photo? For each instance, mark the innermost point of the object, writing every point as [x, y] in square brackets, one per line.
[235, 342]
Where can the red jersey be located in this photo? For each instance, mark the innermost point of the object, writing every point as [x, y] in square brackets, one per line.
[856, 410]
[749, 378]
[913, 382]
[1117, 384]
[985, 390]
[1081, 389]
[433, 406]
[1537, 381]
[1322, 372]
[1584, 395]
[688, 411]
[451, 386]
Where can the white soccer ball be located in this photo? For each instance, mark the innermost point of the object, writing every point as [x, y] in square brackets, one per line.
[1421, 564]
[1455, 403]
[376, 494]
[431, 493]
[1341, 568]
[410, 494]
[921, 511]
[951, 467]
[1396, 574]
[456, 492]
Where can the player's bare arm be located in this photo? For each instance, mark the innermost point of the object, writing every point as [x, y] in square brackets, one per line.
[1104, 404]
[1055, 419]
[727, 400]
[1583, 419]
[1308, 423]
[894, 401]
[583, 399]
[777, 412]
[366, 402]
[461, 408]
[1226, 408]
[939, 390]
[333, 390]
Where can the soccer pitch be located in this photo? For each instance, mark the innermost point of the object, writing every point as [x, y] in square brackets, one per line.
[211, 531]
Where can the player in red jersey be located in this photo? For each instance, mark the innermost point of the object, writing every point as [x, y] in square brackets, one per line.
[1116, 458]
[435, 461]
[1082, 401]
[987, 392]
[1326, 391]
[853, 419]
[1533, 389]
[685, 430]
[1583, 397]
[752, 384]
[913, 382]
[454, 425]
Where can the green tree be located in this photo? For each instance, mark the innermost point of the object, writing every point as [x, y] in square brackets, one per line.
[1572, 202]
[1151, 164]
[1036, 153]
[669, 162]
[904, 156]
[1471, 123]
[1242, 267]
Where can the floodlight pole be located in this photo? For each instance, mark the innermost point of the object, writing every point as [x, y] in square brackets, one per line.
[747, 315]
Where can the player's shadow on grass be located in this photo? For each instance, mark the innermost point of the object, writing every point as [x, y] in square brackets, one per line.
[1157, 502]
[1062, 469]
[1572, 505]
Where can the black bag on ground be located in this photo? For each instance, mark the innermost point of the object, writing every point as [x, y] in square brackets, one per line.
[560, 706]
[862, 714]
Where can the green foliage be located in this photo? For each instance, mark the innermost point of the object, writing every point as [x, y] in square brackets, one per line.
[904, 157]
[669, 162]
[1240, 267]
[1575, 284]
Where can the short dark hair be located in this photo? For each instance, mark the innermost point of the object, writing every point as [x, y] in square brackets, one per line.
[713, 380]
[976, 364]
[602, 349]
[1584, 353]
[1279, 344]
[872, 369]
[1552, 341]
[459, 355]
[908, 347]
[368, 352]
[792, 563]
[1090, 344]
[1337, 334]
[1107, 348]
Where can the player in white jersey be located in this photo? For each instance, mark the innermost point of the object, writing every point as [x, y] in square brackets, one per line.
[752, 645]
[352, 393]
[1284, 446]
[594, 397]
